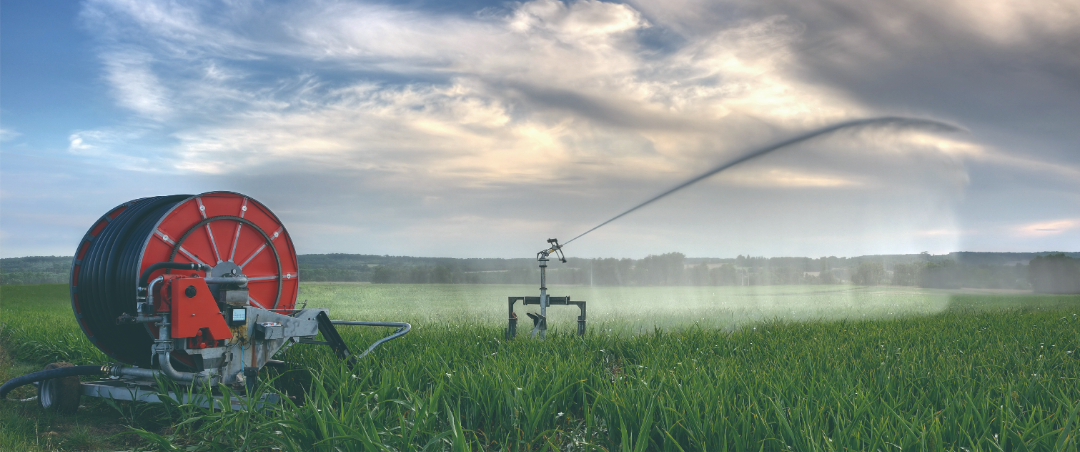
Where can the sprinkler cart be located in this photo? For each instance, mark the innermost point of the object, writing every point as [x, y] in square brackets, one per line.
[544, 300]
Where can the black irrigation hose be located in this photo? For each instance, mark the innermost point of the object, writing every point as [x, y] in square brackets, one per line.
[48, 375]
[144, 279]
[108, 275]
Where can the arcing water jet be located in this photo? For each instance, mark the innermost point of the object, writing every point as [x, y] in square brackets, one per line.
[540, 321]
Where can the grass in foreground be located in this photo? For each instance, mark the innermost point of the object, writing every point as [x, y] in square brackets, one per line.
[985, 373]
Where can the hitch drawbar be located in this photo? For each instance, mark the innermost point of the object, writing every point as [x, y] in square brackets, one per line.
[333, 339]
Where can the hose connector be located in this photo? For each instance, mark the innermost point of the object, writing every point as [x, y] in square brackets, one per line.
[144, 279]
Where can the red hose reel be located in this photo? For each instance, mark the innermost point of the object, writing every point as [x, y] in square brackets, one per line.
[231, 233]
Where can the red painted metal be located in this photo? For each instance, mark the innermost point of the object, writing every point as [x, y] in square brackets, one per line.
[193, 309]
[224, 228]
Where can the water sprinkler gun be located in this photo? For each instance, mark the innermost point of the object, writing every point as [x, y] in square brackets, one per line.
[555, 248]
[540, 320]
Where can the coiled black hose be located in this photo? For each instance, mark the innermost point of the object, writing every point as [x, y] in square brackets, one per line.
[108, 276]
[47, 375]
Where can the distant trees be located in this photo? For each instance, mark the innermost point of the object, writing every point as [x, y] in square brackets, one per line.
[33, 278]
[610, 272]
[673, 269]
[334, 274]
[35, 270]
[698, 275]
[660, 270]
[939, 275]
[904, 274]
[725, 275]
[827, 277]
[868, 274]
[1054, 273]
[439, 274]
[995, 276]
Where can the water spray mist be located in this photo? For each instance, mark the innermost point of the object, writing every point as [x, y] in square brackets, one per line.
[540, 321]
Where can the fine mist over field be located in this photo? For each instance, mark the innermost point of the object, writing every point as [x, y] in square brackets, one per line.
[624, 309]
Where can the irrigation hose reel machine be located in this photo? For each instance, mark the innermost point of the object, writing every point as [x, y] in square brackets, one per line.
[196, 289]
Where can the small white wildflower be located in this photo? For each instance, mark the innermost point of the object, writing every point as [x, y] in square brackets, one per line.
[559, 415]
[447, 375]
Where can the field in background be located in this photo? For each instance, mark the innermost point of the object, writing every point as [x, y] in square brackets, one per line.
[736, 368]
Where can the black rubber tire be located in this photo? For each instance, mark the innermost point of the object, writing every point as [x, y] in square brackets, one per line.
[61, 395]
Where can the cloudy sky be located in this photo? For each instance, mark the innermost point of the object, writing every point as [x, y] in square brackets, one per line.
[480, 129]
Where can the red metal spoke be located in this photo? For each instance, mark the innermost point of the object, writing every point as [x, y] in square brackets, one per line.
[236, 239]
[165, 238]
[209, 233]
[256, 253]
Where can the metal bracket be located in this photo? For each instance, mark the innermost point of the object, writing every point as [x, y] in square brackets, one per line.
[540, 322]
[123, 390]
[333, 339]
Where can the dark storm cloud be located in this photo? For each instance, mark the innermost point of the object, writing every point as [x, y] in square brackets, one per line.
[1016, 75]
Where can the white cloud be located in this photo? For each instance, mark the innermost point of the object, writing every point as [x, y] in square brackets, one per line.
[8, 134]
[560, 97]
[785, 178]
[135, 84]
[525, 90]
[1048, 228]
[106, 147]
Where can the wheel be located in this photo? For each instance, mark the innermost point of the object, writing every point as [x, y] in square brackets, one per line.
[60, 394]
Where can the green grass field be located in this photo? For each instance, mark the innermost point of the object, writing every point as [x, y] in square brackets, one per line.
[662, 368]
